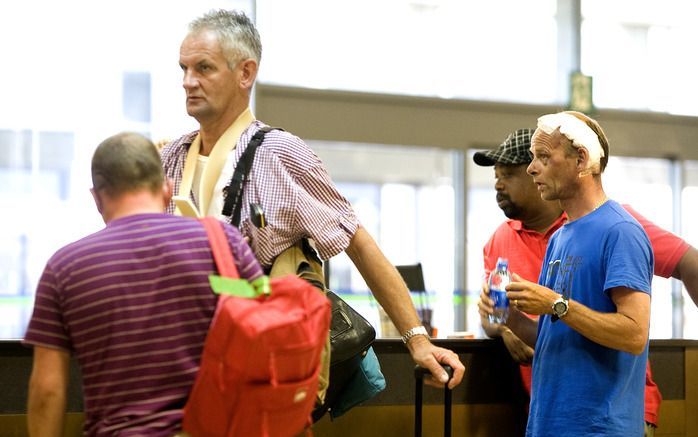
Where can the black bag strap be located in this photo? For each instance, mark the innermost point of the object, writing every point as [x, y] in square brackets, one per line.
[233, 192]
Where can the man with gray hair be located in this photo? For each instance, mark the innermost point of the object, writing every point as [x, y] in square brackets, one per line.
[594, 293]
[132, 302]
[287, 184]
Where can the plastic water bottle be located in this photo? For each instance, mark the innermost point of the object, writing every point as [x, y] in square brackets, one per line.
[499, 279]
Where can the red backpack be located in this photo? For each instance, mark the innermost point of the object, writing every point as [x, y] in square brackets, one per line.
[261, 359]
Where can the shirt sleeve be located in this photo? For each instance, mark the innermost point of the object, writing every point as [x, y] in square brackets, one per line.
[668, 248]
[46, 327]
[324, 214]
[299, 198]
[629, 258]
[173, 156]
[489, 257]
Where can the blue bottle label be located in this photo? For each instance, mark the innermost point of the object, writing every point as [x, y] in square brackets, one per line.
[499, 297]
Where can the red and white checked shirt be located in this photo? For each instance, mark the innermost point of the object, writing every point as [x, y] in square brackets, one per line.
[293, 188]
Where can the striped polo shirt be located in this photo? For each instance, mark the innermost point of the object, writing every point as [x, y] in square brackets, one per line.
[133, 303]
[289, 181]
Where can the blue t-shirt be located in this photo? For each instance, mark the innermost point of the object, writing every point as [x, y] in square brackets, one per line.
[579, 386]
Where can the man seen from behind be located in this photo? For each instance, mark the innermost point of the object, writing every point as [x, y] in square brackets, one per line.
[131, 302]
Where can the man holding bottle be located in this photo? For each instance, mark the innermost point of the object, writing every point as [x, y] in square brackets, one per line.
[524, 237]
[591, 347]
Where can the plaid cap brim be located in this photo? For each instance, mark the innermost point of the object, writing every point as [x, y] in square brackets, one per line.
[513, 151]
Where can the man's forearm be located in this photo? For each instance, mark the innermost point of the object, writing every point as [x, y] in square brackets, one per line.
[383, 280]
[391, 292]
[47, 396]
[45, 414]
[613, 330]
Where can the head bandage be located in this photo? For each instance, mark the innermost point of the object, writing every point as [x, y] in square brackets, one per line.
[578, 132]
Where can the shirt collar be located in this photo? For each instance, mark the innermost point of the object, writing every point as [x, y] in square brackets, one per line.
[517, 225]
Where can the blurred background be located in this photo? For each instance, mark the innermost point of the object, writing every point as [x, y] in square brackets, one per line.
[394, 95]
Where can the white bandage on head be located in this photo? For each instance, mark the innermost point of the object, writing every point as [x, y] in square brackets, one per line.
[578, 132]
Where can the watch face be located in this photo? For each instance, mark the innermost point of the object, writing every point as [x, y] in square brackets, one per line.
[560, 307]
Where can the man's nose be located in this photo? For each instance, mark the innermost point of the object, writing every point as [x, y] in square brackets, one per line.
[189, 80]
[498, 185]
[531, 169]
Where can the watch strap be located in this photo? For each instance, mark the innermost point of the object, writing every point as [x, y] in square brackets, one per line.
[412, 332]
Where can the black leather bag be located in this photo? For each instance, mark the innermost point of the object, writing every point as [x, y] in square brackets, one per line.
[351, 335]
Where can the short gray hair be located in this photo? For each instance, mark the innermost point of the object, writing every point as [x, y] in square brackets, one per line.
[237, 35]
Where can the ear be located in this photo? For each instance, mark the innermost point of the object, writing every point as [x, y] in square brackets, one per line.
[167, 191]
[97, 199]
[582, 159]
[248, 73]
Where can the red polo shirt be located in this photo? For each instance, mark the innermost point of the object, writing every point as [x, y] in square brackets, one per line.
[525, 250]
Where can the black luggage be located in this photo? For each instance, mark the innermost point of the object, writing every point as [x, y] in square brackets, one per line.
[419, 373]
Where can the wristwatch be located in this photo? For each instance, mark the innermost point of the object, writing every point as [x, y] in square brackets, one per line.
[417, 330]
[560, 307]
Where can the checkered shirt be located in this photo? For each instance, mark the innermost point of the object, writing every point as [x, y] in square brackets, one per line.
[291, 184]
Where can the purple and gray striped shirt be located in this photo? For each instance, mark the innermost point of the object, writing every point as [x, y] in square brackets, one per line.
[292, 186]
[133, 303]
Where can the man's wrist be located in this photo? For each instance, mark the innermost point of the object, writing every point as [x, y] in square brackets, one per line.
[559, 308]
[417, 331]
[417, 343]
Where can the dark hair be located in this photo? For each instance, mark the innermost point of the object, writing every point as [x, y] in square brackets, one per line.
[124, 163]
[596, 127]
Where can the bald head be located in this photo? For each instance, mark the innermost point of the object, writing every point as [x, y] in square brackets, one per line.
[124, 163]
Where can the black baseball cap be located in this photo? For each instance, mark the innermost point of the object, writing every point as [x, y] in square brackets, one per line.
[514, 150]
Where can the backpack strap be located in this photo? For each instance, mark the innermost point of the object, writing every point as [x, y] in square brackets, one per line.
[228, 281]
[233, 192]
[220, 247]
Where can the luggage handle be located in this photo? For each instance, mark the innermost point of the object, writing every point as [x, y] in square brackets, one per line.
[419, 373]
